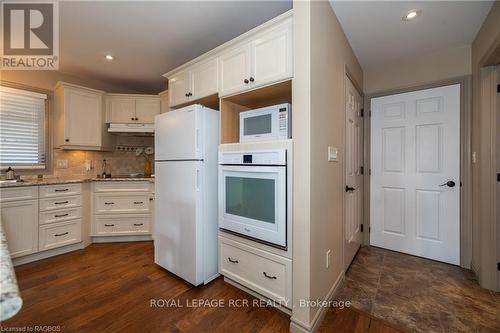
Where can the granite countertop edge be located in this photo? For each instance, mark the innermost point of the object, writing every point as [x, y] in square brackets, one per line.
[56, 181]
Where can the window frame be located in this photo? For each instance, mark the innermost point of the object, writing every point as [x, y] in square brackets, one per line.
[34, 170]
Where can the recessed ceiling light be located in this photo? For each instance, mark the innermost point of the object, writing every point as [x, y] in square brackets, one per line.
[109, 57]
[412, 14]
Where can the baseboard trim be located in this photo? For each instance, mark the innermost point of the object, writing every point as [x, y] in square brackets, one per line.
[119, 239]
[47, 254]
[256, 295]
[297, 326]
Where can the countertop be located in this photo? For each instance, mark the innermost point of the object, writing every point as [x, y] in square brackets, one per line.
[56, 180]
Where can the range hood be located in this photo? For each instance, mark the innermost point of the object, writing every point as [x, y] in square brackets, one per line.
[131, 128]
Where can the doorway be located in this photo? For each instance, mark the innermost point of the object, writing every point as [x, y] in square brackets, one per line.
[353, 172]
[415, 173]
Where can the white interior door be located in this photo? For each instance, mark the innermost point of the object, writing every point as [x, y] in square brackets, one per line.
[354, 173]
[415, 162]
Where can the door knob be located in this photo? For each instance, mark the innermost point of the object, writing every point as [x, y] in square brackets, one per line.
[449, 183]
[349, 189]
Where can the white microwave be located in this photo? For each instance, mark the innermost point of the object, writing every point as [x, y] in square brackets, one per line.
[268, 123]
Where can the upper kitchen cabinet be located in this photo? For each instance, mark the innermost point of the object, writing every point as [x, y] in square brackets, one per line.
[260, 57]
[262, 60]
[194, 83]
[235, 69]
[79, 118]
[164, 101]
[132, 109]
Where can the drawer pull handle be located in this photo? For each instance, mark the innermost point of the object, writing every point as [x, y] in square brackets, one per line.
[269, 276]
[138, 202]
[109, 225]
[231, 260]
[138, 224]
[63, 190]
[109, 203]
[64, 233]
[61, 215]
[61, 202]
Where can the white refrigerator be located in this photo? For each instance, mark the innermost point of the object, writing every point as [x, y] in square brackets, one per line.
[186, 225]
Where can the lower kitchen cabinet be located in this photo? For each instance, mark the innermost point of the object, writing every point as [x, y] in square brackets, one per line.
[121, 208]
[122, 224]
[59, 234]
[20, 225]
[263, 272]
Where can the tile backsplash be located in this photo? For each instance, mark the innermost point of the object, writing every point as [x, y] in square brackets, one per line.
[119, 162]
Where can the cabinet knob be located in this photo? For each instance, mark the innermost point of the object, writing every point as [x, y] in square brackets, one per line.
[246, 81]
[132, 118]
[67, 140]
[187, 95]
[252, 79]
[136, 118]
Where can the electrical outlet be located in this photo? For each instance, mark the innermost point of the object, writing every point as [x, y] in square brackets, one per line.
[327, 263]
[62, 164]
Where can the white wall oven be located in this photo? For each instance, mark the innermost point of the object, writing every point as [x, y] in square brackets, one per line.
[253, 195]
[268, 123]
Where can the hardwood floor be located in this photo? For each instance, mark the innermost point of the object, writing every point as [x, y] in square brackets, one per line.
[110, 288]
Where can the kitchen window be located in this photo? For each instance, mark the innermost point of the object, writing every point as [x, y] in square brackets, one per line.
[23, 134]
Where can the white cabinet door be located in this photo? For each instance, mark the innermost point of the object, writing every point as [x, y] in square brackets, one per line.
[83, 117]
[20, 224]
[146, 109]
[415, 180]
[272, 56]
[235, 69]
[120, 109]
[204, 79]
[178, 88]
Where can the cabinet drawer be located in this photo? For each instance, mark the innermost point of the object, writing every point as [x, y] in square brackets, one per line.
[59, 203]
[18, 193]
[59, 234]
[115, 225]
[122, 186]
[121, 203]
[49, 191]
[59, 215]
[261, 271]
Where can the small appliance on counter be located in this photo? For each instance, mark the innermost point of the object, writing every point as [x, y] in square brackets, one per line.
[268, 123]
[185, 233]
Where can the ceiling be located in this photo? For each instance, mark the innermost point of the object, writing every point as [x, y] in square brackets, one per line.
[378, 35]
[148, 39]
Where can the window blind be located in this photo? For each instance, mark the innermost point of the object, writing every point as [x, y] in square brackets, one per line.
[22, 129]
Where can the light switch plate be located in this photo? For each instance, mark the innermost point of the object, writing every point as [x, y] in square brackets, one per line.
[62, 164]
[333, 154]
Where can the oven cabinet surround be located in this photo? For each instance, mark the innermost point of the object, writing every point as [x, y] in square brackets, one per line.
[132, 109]
[257, 58]
[60, 215]
[243, 261]
[200, 80]
[19, 218]
[79, 118]
[121, 210]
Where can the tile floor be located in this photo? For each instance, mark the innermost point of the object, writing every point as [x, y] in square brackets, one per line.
[419, 295]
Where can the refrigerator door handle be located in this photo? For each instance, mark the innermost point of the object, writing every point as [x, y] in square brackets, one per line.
[197, 139]
[198, 180]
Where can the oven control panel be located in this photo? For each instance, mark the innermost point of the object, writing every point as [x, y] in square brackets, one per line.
[262, 157]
